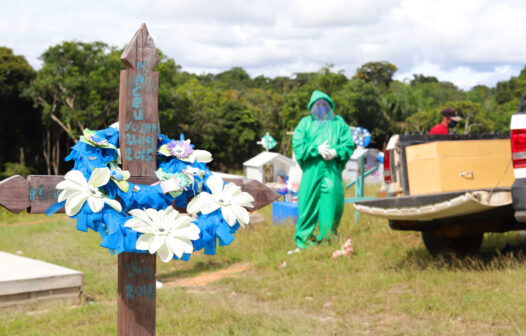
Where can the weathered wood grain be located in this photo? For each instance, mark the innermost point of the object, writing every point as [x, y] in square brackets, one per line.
[138, 120]
[14, 193]
[136, 294]
[43, 192]
[138, 129]
[262, 194]
[38, 192]
[141, 48]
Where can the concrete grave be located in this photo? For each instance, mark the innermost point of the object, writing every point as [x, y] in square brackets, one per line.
[24, 281]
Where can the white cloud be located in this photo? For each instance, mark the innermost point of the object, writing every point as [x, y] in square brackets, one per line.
[471, 41]
[464, 77]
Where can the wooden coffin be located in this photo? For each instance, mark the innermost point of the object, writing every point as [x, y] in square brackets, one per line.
[445, 166]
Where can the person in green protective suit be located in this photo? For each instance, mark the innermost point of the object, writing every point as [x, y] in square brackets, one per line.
[322, 143]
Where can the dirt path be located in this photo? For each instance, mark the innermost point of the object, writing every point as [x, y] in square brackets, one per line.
[208, 277]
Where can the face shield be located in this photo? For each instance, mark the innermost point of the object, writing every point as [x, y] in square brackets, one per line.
[321, 110]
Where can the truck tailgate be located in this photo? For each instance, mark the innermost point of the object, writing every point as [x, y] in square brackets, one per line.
[435, 206]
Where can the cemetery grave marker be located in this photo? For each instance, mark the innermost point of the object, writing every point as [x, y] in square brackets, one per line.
[138, 127]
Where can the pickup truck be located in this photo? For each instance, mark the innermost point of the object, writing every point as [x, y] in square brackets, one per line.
[454, 188]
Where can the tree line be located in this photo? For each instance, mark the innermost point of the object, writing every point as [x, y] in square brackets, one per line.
[44, 111]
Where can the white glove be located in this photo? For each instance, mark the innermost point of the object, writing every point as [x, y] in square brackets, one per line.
[331, 154]
[323, 150]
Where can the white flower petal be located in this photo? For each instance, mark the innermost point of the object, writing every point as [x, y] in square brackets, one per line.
[210, 207]
[229, 215]
[154, 215]
[186, 233]
[138, 225]
[171, 212]
[177, 246]
[141, 214]
[187, 246]
[155, 244]
[215, 183]
[113, 203]
[96, 204]
[181, 221]
[66, 194]
[231, 189]
[99, 177]
[125, 174]
[144, 241]
[198, 202]
[164, 253]
[70, 185]
[74, 204]
[190, 158]
[77, 177]
[202, 155]
[241, 214]
[243, 199]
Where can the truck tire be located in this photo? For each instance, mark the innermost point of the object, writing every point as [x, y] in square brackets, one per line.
[461, 246]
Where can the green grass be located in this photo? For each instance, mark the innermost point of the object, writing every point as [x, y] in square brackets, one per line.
[389, 286]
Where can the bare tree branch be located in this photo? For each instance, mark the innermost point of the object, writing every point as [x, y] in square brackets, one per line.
[68, 130]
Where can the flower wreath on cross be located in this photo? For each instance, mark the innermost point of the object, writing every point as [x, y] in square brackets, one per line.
[140, 218]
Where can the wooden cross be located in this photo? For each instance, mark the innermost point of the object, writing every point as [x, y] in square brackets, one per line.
[138, 126]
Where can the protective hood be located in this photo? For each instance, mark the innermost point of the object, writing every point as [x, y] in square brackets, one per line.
[319, 95]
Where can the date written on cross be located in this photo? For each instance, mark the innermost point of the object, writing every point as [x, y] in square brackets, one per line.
[139, 133]
[135, 271]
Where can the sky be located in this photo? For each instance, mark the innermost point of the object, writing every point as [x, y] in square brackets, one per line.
[466, 42]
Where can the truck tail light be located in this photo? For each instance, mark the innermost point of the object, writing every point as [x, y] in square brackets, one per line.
[387, 167]
[518, 148]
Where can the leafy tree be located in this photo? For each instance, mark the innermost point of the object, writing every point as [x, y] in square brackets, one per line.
[474, 118]
[329, 82]
[422, 121]
[379, 73]
[262, 82]
[439, 93]
[265, 106]
[400, 102]
[501, 115]
[417, 79]
[293, 109]
[226, 113]
[359, 104]
[170, 78]
[195, 112]
[234, 136]
[235, 78]
[76, 88]
[20, 126]
[16, 168]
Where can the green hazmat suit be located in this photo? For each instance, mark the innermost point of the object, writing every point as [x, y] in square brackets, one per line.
[321, 192]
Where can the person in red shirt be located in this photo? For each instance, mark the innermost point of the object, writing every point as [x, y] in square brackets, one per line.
[449, 120]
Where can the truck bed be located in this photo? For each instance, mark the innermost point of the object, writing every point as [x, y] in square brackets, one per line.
[436, 206]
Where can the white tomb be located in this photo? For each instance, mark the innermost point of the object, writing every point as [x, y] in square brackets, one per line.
[24, 280]
[268, 167]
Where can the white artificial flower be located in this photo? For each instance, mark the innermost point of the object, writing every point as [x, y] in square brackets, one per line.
[76, 191]
[166, 232]
[182, 149]
[199, 155]
[228, 197]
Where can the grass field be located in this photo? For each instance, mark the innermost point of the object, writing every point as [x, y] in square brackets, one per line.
[389, 286]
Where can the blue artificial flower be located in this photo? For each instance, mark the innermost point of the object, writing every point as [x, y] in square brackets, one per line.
[98, 149]
[213, 228]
